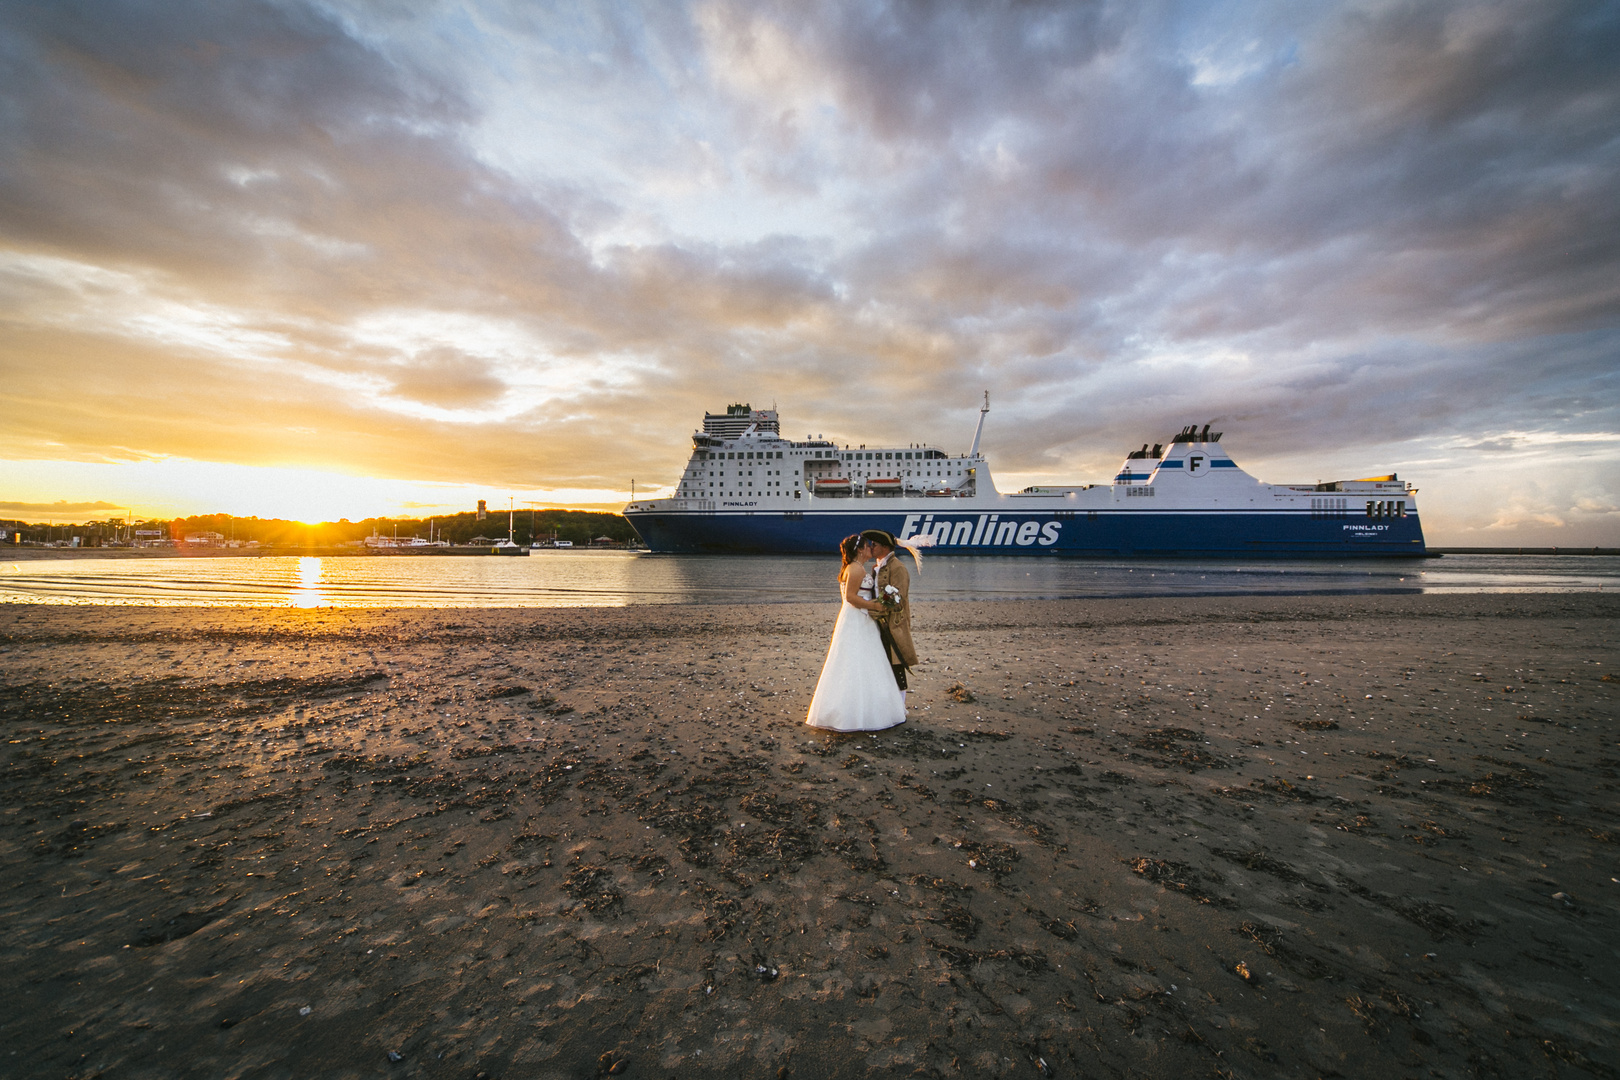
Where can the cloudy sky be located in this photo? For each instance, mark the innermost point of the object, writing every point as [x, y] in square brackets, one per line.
[342, 258]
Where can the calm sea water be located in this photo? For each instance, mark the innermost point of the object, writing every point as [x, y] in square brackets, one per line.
[613, 579]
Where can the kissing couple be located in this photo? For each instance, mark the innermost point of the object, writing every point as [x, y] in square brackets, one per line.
[863, 682]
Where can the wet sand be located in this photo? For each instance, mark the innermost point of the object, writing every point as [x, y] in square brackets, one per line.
[1369, 836]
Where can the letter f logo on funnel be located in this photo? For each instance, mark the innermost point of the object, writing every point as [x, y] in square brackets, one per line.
[1197, 464]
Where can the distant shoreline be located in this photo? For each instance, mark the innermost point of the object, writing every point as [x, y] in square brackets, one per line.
[32, 554]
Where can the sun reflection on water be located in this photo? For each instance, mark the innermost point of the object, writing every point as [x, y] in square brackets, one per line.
[307, 593]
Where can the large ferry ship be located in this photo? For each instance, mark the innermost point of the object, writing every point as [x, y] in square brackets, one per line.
[746, 489]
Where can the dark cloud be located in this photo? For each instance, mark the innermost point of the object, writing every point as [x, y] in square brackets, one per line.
[1423, 164]
[163, 134]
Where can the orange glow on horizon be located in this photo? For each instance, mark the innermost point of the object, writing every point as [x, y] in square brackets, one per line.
[66, 491]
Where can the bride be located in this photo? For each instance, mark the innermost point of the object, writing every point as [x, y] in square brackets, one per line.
[857, 691]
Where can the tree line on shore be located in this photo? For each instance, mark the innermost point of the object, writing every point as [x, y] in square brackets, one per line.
[580, 527]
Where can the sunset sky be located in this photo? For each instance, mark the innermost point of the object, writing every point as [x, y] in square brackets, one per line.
[350, 258]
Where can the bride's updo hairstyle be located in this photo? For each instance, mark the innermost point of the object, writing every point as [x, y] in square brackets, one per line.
[846, 551]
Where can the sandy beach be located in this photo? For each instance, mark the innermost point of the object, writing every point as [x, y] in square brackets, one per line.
[1339, 836]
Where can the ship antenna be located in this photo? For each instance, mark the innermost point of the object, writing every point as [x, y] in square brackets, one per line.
[980, 429]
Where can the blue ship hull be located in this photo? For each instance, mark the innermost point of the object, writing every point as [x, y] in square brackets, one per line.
[1112, 534]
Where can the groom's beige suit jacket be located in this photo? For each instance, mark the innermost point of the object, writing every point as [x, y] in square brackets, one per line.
[892, 573]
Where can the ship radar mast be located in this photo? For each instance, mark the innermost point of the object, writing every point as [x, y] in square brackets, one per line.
[980, 429]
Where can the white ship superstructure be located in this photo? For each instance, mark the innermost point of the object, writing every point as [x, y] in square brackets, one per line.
[740, 460]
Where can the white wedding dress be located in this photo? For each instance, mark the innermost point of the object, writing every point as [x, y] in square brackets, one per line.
[856, 691]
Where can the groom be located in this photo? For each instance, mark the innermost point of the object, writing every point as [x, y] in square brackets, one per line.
[896, 627]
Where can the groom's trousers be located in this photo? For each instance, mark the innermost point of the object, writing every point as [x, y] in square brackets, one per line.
[890, 651]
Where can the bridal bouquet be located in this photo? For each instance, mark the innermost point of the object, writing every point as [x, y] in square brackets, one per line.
[889, 597]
